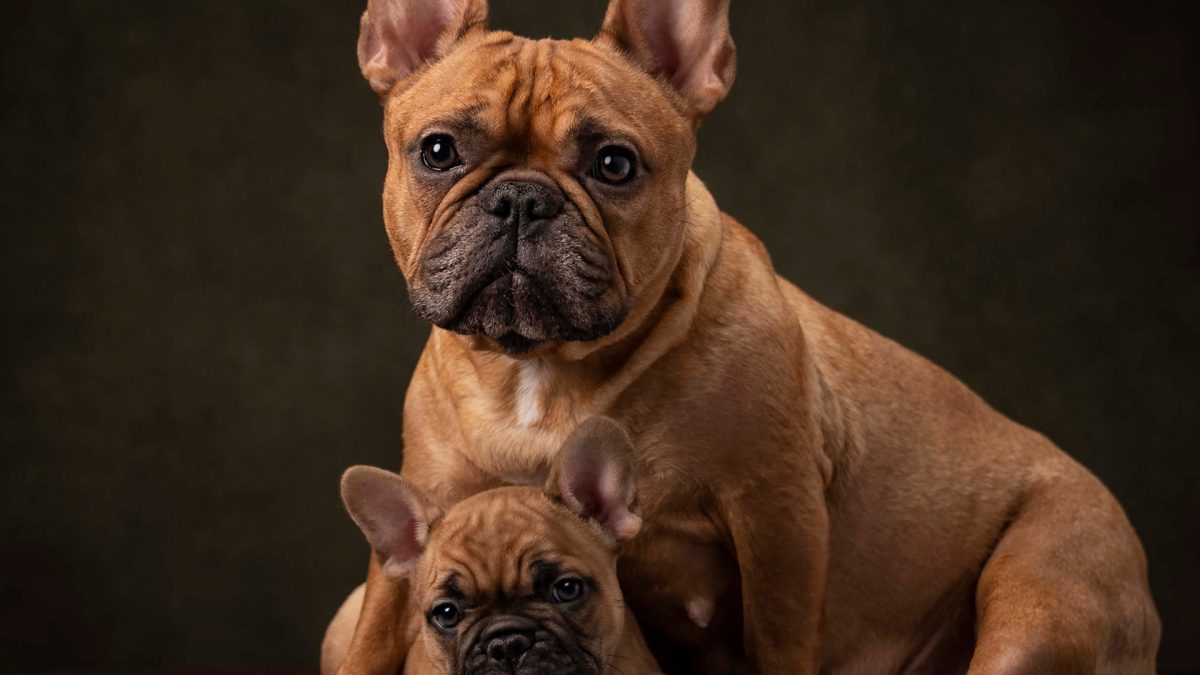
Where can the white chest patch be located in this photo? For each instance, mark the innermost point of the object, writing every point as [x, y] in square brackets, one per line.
[531, 377]
[700, 611]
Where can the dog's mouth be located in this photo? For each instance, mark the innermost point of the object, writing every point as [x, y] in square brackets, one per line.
[513, 311]
[546, 648]
[519, 281]
[512, 342]
[519, 313]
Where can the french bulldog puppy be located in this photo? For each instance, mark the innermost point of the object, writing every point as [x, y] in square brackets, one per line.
[514, 579]
[816, 497]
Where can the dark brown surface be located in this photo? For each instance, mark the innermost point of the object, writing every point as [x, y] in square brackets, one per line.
[203, 325]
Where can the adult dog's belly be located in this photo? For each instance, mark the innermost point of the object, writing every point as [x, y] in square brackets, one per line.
[683, 586]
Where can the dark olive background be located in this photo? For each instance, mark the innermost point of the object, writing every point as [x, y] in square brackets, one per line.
[203, 325]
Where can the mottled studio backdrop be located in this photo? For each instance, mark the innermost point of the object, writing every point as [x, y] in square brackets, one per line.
[202, 325]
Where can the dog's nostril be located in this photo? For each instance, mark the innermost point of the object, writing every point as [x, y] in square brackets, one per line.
[526, 200]
[508, 648]
[501, 206]
[545, 204]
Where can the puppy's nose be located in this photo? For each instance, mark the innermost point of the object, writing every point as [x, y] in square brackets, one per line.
[523, 204]
[507, 639]
[508, 649]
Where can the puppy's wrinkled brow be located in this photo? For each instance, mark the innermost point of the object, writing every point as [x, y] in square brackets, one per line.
[544, 573]
[451, 589]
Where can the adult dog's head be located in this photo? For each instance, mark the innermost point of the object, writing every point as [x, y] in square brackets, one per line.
[535, 188]
[514, 579]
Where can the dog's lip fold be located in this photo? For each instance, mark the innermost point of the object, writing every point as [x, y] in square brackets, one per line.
[512, 341]
[515, 344]
[552, 651]
[516, 290]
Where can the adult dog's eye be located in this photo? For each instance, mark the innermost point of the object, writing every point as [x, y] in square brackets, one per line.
[438, 153]
[614, 165]
[568, 589]
[446, 615]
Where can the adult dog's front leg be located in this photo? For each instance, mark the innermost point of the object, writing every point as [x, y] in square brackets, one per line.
[780, 534]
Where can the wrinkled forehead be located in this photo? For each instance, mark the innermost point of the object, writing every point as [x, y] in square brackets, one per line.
[505, 543]
[509, 87]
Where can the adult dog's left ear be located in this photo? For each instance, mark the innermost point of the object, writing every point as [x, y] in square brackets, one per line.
[594, 476]
[687, 42]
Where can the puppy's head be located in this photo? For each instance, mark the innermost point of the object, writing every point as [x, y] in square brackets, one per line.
[515, 579]
[535, 189]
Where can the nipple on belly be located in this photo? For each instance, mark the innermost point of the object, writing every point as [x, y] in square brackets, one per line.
[700, 611]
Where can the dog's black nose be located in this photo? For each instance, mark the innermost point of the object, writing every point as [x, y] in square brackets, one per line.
[508, 649]
[523, 204]
[507, 639]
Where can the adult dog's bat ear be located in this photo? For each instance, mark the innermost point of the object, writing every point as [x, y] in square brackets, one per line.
[397, 37]
[686, 42]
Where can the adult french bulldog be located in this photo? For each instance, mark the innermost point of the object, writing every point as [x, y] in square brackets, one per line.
[514, 579]
[815, 496]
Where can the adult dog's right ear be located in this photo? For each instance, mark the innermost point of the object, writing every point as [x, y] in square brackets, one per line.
[594, 476]
[399, 36]
[393, 515]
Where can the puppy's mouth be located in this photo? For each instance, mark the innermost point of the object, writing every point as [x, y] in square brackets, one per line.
[524, 645]
[518, 264]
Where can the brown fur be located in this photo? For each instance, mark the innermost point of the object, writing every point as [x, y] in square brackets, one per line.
[844, 504]
[497, 555]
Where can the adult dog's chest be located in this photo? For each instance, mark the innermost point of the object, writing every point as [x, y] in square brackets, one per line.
[681, 579]
[679, 574]
[516, 430]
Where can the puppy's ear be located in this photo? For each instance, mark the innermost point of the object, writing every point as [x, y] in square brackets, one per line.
[398, 36]
[392, 514]
[687, 42]
[594, 475]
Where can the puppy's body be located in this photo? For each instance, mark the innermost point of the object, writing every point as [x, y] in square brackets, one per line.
[815, 496]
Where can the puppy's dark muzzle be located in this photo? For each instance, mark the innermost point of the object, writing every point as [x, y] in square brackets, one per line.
[523, 206]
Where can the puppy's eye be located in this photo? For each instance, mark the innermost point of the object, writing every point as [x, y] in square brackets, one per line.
[446, 615]
[568, 589]
[614, 165]
[438, 153]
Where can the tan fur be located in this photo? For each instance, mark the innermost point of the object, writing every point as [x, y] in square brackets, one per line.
[489, 543]
[844, 504]
[341, 630]
[493, 533]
